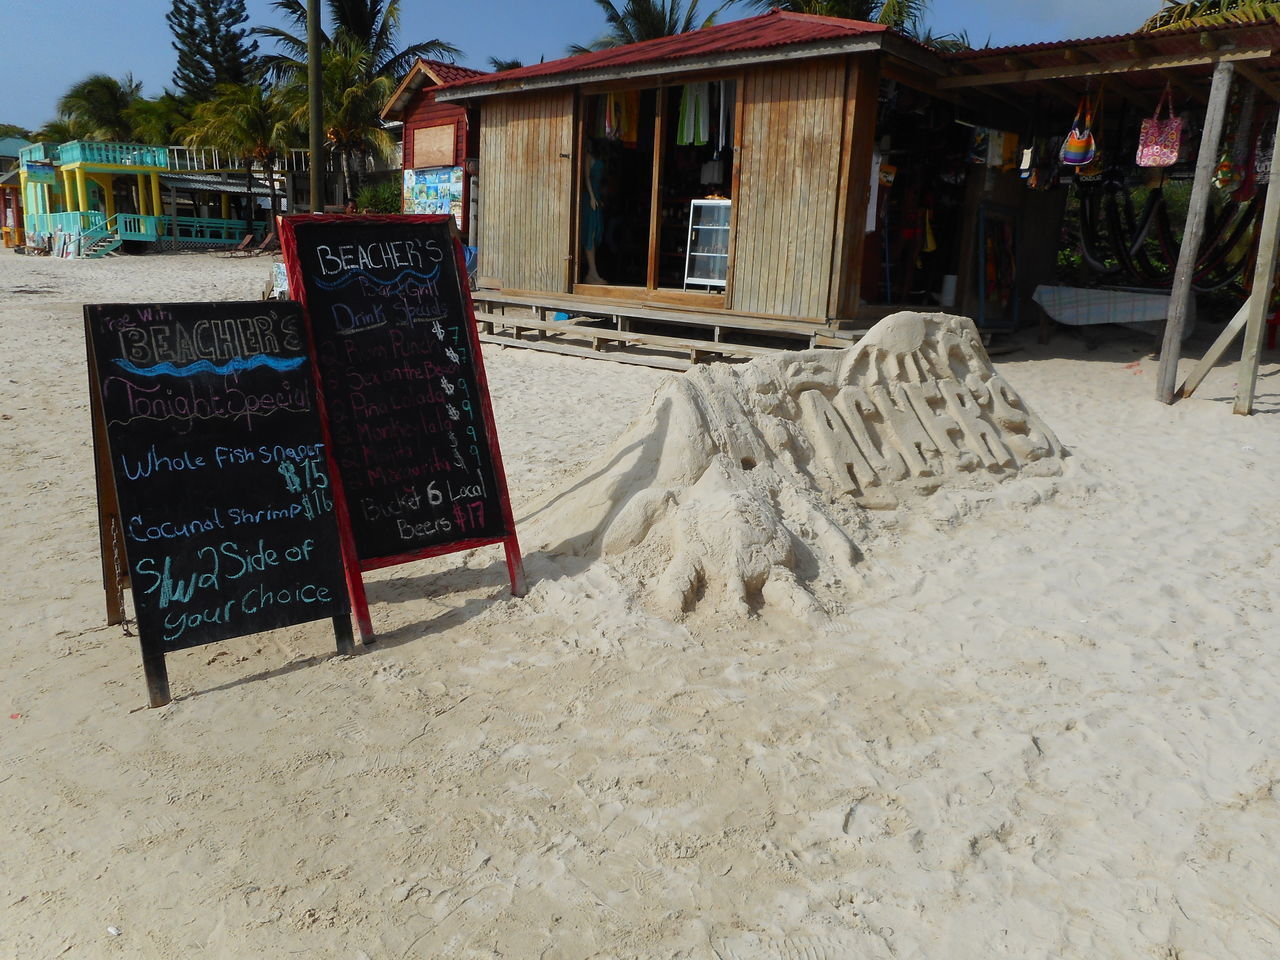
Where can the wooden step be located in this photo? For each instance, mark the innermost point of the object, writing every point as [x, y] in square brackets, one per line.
[567, 349]
[621, 310]
[696, 349]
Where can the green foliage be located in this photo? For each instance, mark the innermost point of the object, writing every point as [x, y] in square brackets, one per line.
[352, 97]
[639, 20]
[498, 64]
[1181, 14]
[212, 47]
[247, 121]
[13, 130]
[98, 107]
[381, 197]
[374, 24]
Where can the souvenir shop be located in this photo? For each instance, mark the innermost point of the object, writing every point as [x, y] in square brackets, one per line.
[1149, 151]
[829, 172]
[657, 186]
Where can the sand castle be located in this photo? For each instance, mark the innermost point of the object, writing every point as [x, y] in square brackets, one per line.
[743, 486]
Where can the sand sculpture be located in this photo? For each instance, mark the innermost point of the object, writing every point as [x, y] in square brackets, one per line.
[746, 485]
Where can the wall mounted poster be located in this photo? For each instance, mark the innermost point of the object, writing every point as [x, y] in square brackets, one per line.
[212, 474]
[406, 403]
[437, 190]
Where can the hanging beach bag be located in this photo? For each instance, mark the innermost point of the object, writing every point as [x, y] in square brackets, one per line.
[1160, 138]
[1078, 148]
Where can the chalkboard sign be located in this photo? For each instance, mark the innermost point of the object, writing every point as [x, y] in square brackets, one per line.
[402, 380]
[219, 483]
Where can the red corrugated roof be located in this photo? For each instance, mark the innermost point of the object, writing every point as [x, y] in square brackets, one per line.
[452, 72]
[1169, 42]
[769, 30]
[420, 74]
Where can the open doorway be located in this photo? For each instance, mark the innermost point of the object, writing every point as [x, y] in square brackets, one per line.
[672, 234]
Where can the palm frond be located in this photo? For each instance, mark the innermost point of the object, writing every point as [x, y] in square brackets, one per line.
[1181, 14]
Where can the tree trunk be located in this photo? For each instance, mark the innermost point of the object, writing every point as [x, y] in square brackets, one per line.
[248, 186]
[347, 179]
[268, 169]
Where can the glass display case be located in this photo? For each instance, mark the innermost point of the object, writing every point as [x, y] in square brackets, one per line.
[706, 261]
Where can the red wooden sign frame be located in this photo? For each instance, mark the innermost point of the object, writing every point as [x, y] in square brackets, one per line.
[352, 562]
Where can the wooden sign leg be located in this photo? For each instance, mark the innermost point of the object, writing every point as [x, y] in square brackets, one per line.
[359, 601]
[153, 666]
[515, 566]
[342, 632]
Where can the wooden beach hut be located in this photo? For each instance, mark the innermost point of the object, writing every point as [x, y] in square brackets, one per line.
[737, 178]
[437, 141]
[799, 176]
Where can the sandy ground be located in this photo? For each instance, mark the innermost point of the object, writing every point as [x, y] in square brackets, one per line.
[1048, 730]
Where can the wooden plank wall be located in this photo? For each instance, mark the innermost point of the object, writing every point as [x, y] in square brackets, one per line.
[862, 102]
[526, 190]
[425, 111]
[789, 171]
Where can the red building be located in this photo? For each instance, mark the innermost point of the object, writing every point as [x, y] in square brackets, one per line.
[441, 141]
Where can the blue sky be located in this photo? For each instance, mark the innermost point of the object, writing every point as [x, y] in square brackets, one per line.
[50, 44]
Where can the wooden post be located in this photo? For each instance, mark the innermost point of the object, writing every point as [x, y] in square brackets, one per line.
[660, 121]
[1215, 352]
[1264, 273]
[1180, 300]
[315, 108]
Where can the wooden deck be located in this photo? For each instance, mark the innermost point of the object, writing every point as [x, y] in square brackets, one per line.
[604, 329]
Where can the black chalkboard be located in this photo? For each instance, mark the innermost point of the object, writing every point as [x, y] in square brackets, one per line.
[403, 383]
[218, 467]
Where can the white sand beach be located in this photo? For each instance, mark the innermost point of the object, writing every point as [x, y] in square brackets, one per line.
[1038, 724]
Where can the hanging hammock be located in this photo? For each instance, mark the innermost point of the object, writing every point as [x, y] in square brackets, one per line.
[1110, 230]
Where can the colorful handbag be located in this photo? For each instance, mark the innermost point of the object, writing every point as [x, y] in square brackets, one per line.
[1078, 148]
[1160, 138]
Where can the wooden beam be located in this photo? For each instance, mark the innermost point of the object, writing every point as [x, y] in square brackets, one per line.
[1260, 80]
[1103, 69]
[1264, 275]
[1215, 352]
[725, 61]
[1180, 298]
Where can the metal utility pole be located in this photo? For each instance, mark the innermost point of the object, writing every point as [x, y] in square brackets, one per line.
[314, 81]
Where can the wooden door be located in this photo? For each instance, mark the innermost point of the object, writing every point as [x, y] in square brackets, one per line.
[526, 191]
[787, 196]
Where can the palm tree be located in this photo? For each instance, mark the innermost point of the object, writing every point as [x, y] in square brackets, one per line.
[373, 23]
[248, 121]
[155, 120]
[905, 16]
[352, 97]
[64, 129]
[1204, 13]
[498, 64]
[647, 20]
[99, 105]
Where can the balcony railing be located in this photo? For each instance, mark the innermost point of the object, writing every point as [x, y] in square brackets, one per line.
[114, 154]
[38, 152]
